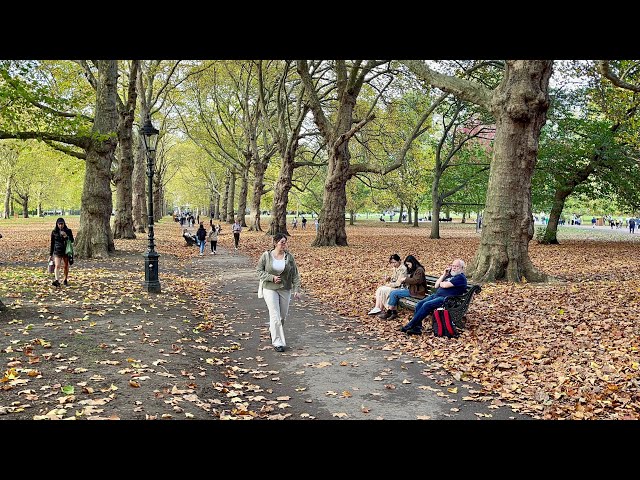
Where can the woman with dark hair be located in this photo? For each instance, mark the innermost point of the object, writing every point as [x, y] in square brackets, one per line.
[399, 270]
[416, 287]
[278, 275]
[57, 250]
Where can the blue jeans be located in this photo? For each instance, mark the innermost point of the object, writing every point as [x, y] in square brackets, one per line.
[396, 294]
[423, 308]
[201, 245]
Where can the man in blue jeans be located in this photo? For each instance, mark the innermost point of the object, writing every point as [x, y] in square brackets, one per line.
[451, 282]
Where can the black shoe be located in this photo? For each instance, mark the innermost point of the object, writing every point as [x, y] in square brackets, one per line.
[65, 282]
[392, 315]
[55, 283]
[403, 329]
[279, 349]
[413, 331]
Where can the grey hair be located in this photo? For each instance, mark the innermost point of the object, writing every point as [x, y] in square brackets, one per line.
[461, 262]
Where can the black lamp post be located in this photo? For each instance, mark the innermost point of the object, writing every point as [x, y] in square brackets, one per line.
[150, 136]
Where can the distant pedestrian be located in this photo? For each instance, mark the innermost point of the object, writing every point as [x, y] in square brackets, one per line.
[317, 224]
[236, 229]
[593, 222]
[279, 277]
[632, 225]
[294, 224]
[213, 239]
[201, 235]
[58, 250]
[304, 223]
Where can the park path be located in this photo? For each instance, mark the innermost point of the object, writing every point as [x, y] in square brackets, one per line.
[330, 370]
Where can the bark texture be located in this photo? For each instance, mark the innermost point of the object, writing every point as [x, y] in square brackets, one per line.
[519, 105]
[95, 238]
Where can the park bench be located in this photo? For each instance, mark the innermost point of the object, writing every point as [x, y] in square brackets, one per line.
[456, 304]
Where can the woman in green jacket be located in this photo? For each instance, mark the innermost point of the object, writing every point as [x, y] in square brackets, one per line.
[279, 277]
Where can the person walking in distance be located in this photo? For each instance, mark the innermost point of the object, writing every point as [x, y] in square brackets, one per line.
[201, 235]
[213, 239]
[279, 277]
[236, 229]
[57, 250]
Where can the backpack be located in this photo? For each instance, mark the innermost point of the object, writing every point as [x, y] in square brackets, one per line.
[442, 324]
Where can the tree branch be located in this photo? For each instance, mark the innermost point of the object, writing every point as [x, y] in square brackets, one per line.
[603, 67]
[461, 88]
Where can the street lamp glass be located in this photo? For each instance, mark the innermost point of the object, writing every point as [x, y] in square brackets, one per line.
[149, 135]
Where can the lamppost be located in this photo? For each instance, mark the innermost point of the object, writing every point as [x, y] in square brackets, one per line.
[150, 136]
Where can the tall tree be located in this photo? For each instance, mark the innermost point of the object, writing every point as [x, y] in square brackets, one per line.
[284, 125]
[337, 126]
[40, 107]
[519, 105]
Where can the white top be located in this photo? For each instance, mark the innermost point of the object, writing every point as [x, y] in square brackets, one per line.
[277, 265]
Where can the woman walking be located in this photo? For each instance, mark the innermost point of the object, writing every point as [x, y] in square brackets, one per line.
[279, 277]
[57, 251]
[213, 239]
[236, 229]
[201, 235]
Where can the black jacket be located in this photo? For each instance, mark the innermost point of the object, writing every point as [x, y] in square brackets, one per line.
[58, 242]
[201, 234]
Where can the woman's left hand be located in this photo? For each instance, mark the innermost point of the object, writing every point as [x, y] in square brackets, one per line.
[296, 295]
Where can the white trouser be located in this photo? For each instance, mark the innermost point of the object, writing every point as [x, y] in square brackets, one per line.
[278, 304]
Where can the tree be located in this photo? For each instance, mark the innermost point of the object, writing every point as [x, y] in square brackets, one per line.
[284, 122]
[590, 136]
[519, 105]
[337, 125]
[33, 103]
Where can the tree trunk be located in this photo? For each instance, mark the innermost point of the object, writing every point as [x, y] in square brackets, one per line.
[331, 231]
[123, 226]
[157, 198]
[123, 222]
[225, 197]
[436, 205]
[519, 105]
[216, 206]
[242, 197]
[24, 201]
[258, 188]
[95, 238]
[415, 216]
[139, 180]
[551, 230]
[281, 195]
[7, 199]
[231, 198]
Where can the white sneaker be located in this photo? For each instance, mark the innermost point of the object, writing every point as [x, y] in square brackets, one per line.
[211, 253]
[201, 254]
[374, 310]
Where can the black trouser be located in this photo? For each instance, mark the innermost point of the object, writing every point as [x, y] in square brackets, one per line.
[236, 238]
[214, 244]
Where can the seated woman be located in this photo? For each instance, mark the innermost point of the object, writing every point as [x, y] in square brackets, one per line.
[416, 283]
[383, 291]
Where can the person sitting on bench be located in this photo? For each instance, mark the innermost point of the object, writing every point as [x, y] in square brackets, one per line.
[190, 238]
[451, 282]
